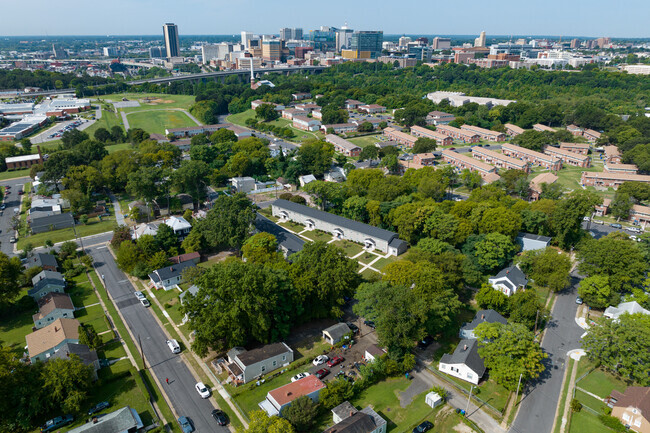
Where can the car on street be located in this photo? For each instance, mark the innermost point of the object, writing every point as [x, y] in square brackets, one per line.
[320, 359]
[139, 295]
[219, 416]
[616, 226]
[354, 328]
[335, 361]
[16, 210]
[425, 426]
[12, 240]
[633, 229]
[99, 407]
[322, 373]
[57, 422]
[203, 390]
[174, 346]
[425, 342]
[598, 222]
[300, 376]
[586, 219]
[579, 300]
[145, 302]
[185, 424]
[21, 192]
[3, 206]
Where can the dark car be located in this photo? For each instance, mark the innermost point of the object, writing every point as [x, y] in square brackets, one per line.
[335, 361]
[98, 407]
[186, 424]
[322, 373]
[426, 342]
[354, 328]
[220, 417]
[616, 225]
[57, 422]
[358, 365]
[425, 426]
[369, 323]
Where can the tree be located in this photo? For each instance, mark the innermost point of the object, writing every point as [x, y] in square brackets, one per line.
[89, 337]
[165, 238]
[511, 178]
[191, 177]
[333, 114]
[336, 392]
[68, 249]
[366, 127]
[471, 179]
[207, 111]
[566, 221]
[492, 251]
[526, 308]
[488, 298]
[223, 135]
[621, 205]
[73, 137]
[67, 382]
[128, 255]
[261, 248]
[228, 223]
[266, 112]
[120, 234]
[159, 260]
[102, 135]
[10, 270]
[548, 267]
[597, 292]
[26, 144]
[424, 145]
[621, 346]
[193, 242]
[260, 422]
[509, 351]
[145, 183]
[301, 414]
[315, 157]
[117, 133]
[535, 140]
[500, 220]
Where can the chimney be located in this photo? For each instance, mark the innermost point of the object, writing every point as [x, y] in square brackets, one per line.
[56, 329]
[465, 347]
[508, 271]
[483, 316]
[288, 393]
[351, 413]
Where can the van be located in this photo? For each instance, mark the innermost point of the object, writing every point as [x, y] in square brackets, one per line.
[174, 346]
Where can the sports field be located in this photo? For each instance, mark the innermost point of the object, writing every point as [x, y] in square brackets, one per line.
[156, 121]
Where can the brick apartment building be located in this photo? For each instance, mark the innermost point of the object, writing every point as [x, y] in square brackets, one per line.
[498, 159]
[536, 184]
[620, 168]
[400, 137]
[513, 130]
[343, 146]
[610, 180]
[567, 157]
[612, 155]
[485, 134]
[531, 156]
[581, 148]
[441, 139]
[459, 134]
[460, 161]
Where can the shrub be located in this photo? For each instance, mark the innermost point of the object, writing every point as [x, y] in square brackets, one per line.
[442, 392]
[576, 406]
[612, 422]
[167, 305]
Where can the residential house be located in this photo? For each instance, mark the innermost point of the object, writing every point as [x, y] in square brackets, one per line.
[124, 420]
[308, 107]
[509, 281]
[373, 352]
[51, 222]
[605, 179]
[180, 226]
[336, 174]
[192, 290]
[335, 333]
[142, 207]
[465, 363]
[247, 365]
[52, 307]
[339, 128]
[601, 209]
[531, 156]
[591, 135]
[581, 148]
[306, 178]
[288, 113]
[485, 134]
[46, 282]
[568, 157]
[543, 128]
[537, 182]
[88, 357]
[441, 139]
[632, 408]
[288, 242]
[576, 131]
[140, 230]
[194, 257]
[529, 241]
[612, 155]
[300, 96]
[513, 130]
[306, 123]
[342, 145]
[482, 316]
[42, 343]
[632, 307]
[47, 262]
[349, 420]
[351, 104]
[243, 184]
[168, 277]
[280, 398]
[372, 108]
[439, 118]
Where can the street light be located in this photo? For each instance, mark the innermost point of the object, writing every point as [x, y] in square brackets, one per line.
[468, 399]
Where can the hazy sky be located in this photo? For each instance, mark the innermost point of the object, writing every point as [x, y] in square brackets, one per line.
[595, 18]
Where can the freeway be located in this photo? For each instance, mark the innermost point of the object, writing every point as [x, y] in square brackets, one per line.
[159, 359]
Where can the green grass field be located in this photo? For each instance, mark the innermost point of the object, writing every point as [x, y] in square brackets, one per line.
[155, 122]
[93, 227]
[240, 119]
[6, 175]
[166, 101]
[366, 140]
[108, 120]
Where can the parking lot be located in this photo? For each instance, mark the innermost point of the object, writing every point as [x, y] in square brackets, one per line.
[57, 131]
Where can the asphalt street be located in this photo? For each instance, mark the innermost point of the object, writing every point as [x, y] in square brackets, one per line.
[11, 201]
[540, 400]
[159, 358]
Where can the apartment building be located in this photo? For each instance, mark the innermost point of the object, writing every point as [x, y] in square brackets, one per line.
[400, 137]
[567, 157]
[460, 161]
[531, 156]
[542, 128]
[640, 215]
[575, 130]
[606, 179]
[459, 134]
[425, 159]
[485, 134]
[513, 130]
[620, 168]
[372, 108]
[612, 155]
[306, 123]
[288, 113]
[339, 128]
[439, 118]
[536, 184]
[591, 135]
[581, 148]
[441, 140]
[342, 145]
[498, 159]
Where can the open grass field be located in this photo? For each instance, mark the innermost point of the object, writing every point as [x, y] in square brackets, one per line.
[108, 120]
[366, 140]
[156, 121]
[240, 119]
[93, 227]
[158, 100]
[6, 175]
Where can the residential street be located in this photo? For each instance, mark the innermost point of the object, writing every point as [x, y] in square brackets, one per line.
[12, 201]
[538, 406]
[163, 363]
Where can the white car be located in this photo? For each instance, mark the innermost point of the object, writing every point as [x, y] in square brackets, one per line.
[139, 295]
[300, 376]
[174, 346]
[203, 390]
[145, 302]
[586, 219]
[320, 359]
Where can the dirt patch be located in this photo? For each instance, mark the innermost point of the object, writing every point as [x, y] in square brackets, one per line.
[463, 428]
[158, 101]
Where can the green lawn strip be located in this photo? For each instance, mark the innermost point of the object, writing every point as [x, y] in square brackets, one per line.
[14, 174]
[591, 402]
[17, 323]
[317, 235]
[112, 350]
[489, 391]
[369, 274]
[240, 118]
[170, 297]
[351, 249]
[107, 121]
[93, 227]
[563, 397]
[115, 147]
[381, 263]
[601, 383]
[366, 258]
[542, 293]
[156, 122]
[292, 226]
[368, 140]
[586, 422]
[178, 101]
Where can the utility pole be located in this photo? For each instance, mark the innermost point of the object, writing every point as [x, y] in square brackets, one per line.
[519, 383]
[468, 399]
[536, 317]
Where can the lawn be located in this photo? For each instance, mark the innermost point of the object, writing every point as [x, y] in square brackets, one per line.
[157, 121]
[240, 119]
[6, 175]
[370, 275]
[542, 293]
[351, 249]
[317, 235]
[115, 147]
[170, 297]
[366, 258]
[93, 227]
[489, 391]
[366, 140]
[294, 227]
[170, 101]
[108, 120]
[569, 176]
[601, 383]
[587, 422]
[381, 263]
[17, 322]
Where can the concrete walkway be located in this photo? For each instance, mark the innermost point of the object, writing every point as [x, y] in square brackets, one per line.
[125, 121]
[98, 113]
[119, 217]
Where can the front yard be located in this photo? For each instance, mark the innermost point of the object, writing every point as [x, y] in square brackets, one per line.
[92, 227]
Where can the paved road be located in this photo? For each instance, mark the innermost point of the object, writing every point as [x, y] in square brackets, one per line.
[540, 400]
[184, 398]
[125, 122]
[12, 201]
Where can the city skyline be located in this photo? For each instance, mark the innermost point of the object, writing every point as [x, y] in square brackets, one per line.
[507, 17]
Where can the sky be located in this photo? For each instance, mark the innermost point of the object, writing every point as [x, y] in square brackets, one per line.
[590, 18]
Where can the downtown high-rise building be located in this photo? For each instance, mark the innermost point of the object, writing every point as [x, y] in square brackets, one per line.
[480, 41]
[172, 44]
[441, 43]
[290, 34]
[367, 41]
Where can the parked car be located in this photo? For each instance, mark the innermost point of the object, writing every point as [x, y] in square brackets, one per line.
[21, 192]
[99, 407]
[185, 424]
[335, 361]
[139, 295]
[369, 323]
[3, 206]
[320, 359]
[145, 302]
[586, 219]
[354, 328]
[57, 422]
[220, 417]
[633, 229]
[426, 342]
[174, 346]
[598, 222]
[425, 426]
[12, 240]
[300, 376]
[203, 390]
[616, 225]
[579, 300]
[322, 373]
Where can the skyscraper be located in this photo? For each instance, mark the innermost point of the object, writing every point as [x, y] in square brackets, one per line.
[369, 41]
[480, 41]
[172, 45]
[343, 38]
[287, 34]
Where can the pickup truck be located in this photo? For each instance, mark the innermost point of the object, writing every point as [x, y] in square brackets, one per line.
[57, 422]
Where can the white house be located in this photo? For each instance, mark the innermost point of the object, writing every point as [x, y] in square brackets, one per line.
[180, 226]
[373, 352]
[243, 184]
[483, 316]
[528, 241]
[509, 280]
[465, 363]
[632, 307]
[335, 333]
[281, 398]
[305, 179]
[169, 276]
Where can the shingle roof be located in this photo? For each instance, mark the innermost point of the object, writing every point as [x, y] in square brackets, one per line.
[170, 271]
[344, 410]
[337, 331]
[41, 259]
[46, 278]
[466, 353]
[291, 391]
[637, 397]
[289, 241]
[81, 350]
[254, 356]
[356, 423]
[310, 212]
[120, 420]
[484, 316]
[51, 302]
[514, 275]
[46, 338]
[533, 237]
[61, 219]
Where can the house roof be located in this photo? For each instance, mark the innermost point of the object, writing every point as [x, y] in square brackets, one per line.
[358, 422]
[341, 142]
[170, 271]
[344, 410]
[250, 357]
[51, 220]
[533, 237]
[185, 257]
[81, 350]
[289, 241]
[337, 331]
[514, 275]
[46, 278]
[145, 229]
[41, 259]
[375, 350]
[625, 307]
[306, 178]
[466, 353]
[541, 178]
[337, 220]
[637, 397]
[121, 420]
[53, 301]
[484, 316]
[192, 290]
[291, 391]
[177, 223]
[52, 335]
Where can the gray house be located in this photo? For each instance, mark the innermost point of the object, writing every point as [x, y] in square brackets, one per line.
[87, 356]
[509, 280]
[124, 420]
[347, 419]
[53, 306]
[44, 342]
[528, 241]
[46, 282]
[46, 261]
[246, 365]
[51, 222]
[465, 363]
[483, 316]
[341, 228]
[169, 276]
[335, 333]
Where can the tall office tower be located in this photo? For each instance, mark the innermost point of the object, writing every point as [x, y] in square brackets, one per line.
[272, 50]
[480, 41]
[172, 45]
[324, 39]
[343, 38]
[441, 43]
[58, 52]
[403, 41]
[285, 34]
[575, 43]
[157, 52]
[367, 41]
[296, 34]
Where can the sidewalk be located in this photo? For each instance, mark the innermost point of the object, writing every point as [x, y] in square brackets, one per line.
[119, 217]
